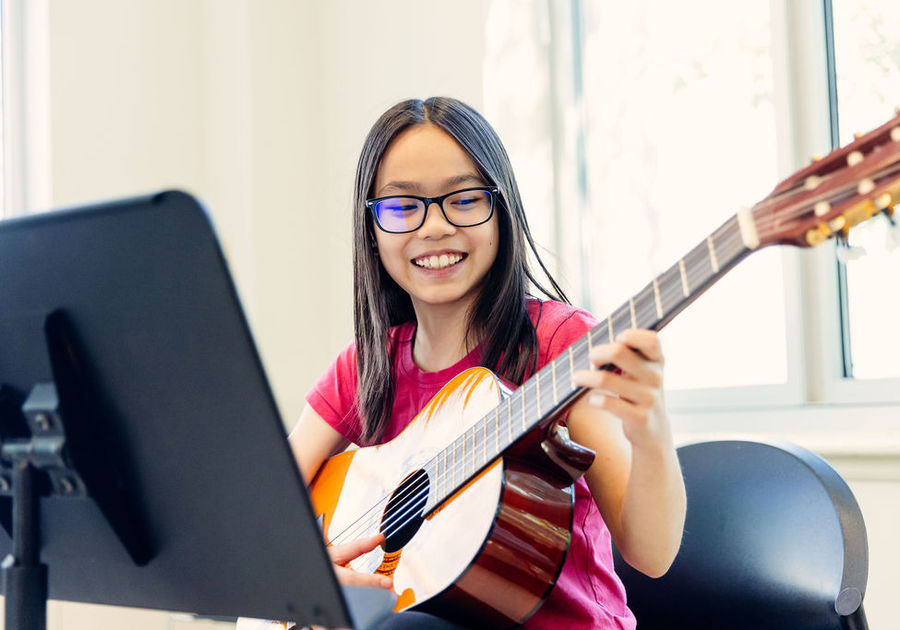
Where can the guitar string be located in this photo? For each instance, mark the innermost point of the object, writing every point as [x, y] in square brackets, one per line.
[837, 195]
[691, 275]
[390, 527]
[406, 504]
[670, 289]
[407, 507]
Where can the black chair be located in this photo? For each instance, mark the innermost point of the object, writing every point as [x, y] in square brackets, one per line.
[774, 538]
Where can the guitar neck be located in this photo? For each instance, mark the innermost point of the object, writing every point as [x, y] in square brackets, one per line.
[550, 390]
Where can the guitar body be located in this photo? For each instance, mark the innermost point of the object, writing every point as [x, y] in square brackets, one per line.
[488, 554]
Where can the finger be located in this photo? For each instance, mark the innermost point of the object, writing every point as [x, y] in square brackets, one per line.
[645, 342]
[342, 554]
[348, 577]
[605, 382]
[628, 412]
[630, 361]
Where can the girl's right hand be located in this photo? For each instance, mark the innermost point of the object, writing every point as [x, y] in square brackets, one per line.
[340, 556]
[343, 554]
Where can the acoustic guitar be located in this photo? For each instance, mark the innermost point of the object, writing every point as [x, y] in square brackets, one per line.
[475, 496]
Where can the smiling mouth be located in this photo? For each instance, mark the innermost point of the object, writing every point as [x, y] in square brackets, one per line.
[438, 262]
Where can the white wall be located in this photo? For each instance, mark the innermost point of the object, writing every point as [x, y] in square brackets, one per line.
[259, 109]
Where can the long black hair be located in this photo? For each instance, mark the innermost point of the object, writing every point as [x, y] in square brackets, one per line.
[498, 320]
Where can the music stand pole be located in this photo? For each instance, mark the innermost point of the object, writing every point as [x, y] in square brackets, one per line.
[24, 577]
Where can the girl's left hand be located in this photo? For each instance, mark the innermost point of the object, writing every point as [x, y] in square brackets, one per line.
[634, 392]
[635, 479]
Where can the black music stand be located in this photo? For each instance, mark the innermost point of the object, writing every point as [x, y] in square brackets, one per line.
[143, 456]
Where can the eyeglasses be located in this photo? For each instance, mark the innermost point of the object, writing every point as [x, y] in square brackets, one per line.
[463, 208]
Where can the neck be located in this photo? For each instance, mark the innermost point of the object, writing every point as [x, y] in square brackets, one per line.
[441, 335]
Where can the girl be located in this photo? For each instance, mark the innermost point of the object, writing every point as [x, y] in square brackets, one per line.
[441, 285]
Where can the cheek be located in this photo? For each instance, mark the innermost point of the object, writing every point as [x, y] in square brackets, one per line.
[390, 253]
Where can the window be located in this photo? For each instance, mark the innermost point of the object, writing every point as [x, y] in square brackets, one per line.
[3, 160]
[24, 107]
[636, 132]
[680, 133]
[867, 64]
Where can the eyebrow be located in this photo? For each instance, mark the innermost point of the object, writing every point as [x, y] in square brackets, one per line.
[415, 187]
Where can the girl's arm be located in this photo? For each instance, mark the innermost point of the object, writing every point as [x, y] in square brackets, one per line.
[313, 441]
[635, 479]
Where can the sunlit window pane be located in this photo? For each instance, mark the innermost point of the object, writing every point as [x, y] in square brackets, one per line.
[868, 75]
[680, 133]
[2, 127]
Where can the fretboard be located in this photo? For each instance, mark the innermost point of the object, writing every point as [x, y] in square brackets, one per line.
[550, 390]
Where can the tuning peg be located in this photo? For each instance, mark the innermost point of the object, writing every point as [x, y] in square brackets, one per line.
[847, 252]
[892, 236]
[850, 252]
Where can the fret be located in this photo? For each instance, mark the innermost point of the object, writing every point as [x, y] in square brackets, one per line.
[524, 416]
[467, 454]
[712, 254]
[582, 357]
[633, 318]
[497, 429]
[645, 307]
[571, 360]
[728, 241]
[509, 416]
[684, 281]
[442, 475]
[537, 387]
[472, 458]
[553, 371]
[455, 467]
[671, 293]
[659, 310]
[484, 444]
[701, 268]
[621, 318]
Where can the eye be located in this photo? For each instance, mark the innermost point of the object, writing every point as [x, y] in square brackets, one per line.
[468, 199]
[398, 206]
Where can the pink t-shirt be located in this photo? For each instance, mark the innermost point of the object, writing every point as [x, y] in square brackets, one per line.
[588, 594]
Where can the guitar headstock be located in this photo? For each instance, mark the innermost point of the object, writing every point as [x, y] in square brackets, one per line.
[848, 186]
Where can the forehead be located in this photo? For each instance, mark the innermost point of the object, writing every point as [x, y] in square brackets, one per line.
[424, 157]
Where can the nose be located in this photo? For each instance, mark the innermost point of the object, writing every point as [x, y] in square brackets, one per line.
[436, 224]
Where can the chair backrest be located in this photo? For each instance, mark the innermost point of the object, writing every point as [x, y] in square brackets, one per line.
[773, 538]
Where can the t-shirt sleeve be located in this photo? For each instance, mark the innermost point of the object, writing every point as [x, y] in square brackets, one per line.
[334, 395]
[559, 327]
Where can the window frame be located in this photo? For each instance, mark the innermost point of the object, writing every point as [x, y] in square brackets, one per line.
[26, 109]
[816, 386]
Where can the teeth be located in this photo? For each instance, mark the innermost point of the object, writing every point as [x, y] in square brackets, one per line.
[438, 262]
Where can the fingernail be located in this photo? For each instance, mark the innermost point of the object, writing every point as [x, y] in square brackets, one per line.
[596, 399]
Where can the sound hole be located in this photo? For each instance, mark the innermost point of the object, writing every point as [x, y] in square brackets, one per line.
[403, 515]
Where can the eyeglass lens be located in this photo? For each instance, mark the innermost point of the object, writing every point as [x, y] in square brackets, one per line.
[406, 214]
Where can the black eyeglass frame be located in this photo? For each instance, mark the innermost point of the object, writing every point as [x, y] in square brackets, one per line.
[493, 190]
